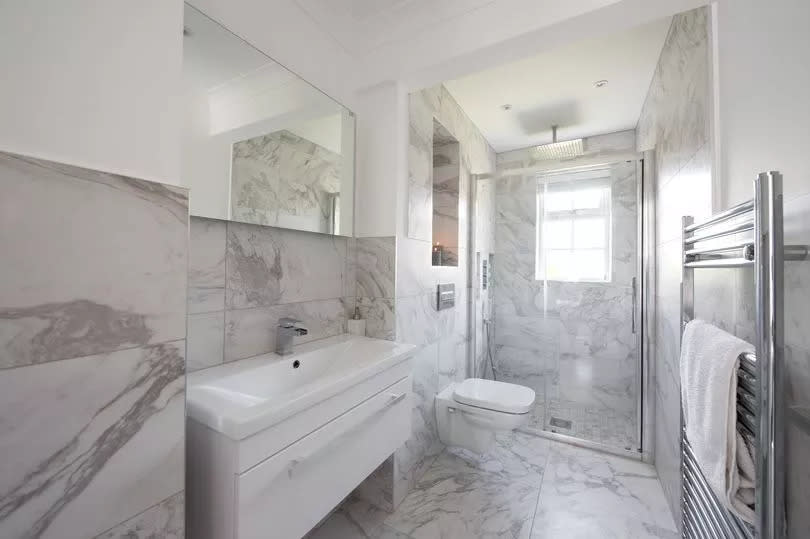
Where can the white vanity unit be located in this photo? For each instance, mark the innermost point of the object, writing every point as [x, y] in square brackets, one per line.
[274, 443]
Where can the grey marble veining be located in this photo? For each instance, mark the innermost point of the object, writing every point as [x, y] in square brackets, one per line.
[120, 282]
[413, 458]
[414, 272]
[675, 121]
[282, 179]
[247, 276]
[269, 266]
[165, 520]
[524, 486]
[445, 335]
[587, 494]
[205, 340]
[379, 316]
[418, 321]
[453, 499]
[515, 456]
[375, 267]
[355, 518]
[92, 329]
[112, 449]
[569, 341]
[250, 332]
[206, 265]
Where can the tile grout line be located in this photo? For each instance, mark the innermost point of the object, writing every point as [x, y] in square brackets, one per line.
[540, 491]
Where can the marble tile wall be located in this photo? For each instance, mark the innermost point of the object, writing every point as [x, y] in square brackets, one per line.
[548, 333]
[444, 336]
[675, 122]
[484, 241]
[92, 352]
[282, 179]
[243, 278]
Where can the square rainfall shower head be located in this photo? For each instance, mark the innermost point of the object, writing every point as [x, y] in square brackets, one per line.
[560, 150]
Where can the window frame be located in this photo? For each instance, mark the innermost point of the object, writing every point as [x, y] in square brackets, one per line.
[578, 181]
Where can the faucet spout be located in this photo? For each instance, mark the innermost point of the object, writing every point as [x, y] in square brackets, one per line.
[286, 329]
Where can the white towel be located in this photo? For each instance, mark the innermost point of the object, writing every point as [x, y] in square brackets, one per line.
[710, 358]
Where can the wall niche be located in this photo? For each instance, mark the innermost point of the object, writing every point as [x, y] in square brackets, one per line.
[446, 172]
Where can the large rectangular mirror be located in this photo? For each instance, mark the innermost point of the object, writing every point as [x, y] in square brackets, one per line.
[261, 145]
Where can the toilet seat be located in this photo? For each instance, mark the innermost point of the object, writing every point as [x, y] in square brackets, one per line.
[496, 396]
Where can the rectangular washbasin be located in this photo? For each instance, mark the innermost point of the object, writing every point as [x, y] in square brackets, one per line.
[251, 395]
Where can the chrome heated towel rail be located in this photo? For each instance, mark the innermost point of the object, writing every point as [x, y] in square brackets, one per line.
[749, 234]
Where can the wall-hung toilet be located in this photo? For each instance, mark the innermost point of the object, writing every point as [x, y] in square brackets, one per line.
[470, 413]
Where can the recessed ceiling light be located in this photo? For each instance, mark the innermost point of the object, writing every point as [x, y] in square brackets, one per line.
[506, 107]
[600, 83]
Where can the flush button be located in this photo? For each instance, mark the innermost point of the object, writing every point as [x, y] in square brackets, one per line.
[445, 296]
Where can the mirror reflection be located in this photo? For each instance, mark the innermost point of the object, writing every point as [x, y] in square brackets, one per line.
[261, 145]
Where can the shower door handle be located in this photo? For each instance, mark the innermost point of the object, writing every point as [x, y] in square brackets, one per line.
[633, 308]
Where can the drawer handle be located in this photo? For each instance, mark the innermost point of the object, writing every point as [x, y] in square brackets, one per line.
[395, 399]
[296, 462]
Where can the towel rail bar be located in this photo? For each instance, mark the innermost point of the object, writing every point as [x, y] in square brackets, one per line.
[720, 263]
[744, 207]
[745, 226]
[760, 405]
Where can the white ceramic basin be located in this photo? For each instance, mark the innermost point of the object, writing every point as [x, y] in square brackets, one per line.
[246, 397]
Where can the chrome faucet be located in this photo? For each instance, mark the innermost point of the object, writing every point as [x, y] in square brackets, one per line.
[286, 330]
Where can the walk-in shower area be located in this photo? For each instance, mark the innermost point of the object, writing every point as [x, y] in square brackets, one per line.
[565, 286]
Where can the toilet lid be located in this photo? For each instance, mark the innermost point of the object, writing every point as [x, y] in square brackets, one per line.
[492, 395]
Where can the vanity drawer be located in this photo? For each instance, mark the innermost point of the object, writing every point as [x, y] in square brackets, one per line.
[290, 492]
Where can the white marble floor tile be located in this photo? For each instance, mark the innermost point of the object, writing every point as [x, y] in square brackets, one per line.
[587, 494]
[516, 456]
[457, 499]
[525, 487]
[355, 519]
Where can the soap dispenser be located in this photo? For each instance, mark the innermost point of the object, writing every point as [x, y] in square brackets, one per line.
[357, 325]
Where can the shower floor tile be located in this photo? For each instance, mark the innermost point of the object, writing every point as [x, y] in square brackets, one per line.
[603, 426]
[526, 487]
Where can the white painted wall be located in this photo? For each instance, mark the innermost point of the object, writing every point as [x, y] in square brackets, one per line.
[764, 84]
[206, 163]
[93, 84]
[382, 166]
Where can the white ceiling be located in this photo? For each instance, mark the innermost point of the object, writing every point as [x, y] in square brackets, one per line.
[363, 25]
[557, 87]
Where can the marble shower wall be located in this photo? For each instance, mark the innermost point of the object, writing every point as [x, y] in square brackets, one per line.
[482, 299]
[675, 122]
[281, 179]
[444, 336]
[92, 352]
[243, 278]
[548, 332]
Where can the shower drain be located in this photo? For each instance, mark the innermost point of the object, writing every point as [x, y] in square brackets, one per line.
[561, 423]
